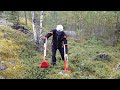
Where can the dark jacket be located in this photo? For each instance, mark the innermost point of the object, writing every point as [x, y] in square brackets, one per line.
[59, 38]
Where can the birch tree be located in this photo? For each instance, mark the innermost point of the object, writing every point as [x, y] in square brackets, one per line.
[33, 25]
[41, 29]
[41, 20]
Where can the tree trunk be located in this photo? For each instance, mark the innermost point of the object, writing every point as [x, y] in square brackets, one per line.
[33, 25]
[25, 18]
[41, 26]
[41, 20]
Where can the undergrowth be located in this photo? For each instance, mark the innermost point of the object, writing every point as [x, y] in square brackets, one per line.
[18, 47]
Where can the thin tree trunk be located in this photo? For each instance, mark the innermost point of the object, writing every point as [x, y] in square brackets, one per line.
[33, 25]
[25, 18]
[41, 20]
[41, 29]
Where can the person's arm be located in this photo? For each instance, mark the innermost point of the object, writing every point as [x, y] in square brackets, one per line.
[48, 35]
[65, 43]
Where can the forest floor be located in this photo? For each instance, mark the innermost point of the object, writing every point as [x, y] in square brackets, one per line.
[20, 59]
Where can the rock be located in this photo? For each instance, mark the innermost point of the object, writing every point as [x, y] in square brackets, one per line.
[21, 28]
[60, 73]
[118, 66]
[64, 73]
[71, 34]
[103, 56]
[2, 66]
[4, 21]
[12, 62]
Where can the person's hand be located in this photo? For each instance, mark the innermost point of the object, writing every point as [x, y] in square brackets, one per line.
[43, 38]
[66, 56]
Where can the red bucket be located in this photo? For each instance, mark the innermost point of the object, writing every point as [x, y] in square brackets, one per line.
[44, 65]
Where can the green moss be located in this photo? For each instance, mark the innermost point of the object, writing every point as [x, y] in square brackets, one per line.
[9, 52]
[17, 47]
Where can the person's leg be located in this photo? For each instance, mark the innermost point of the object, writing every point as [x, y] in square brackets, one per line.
[61, 49]
[54, 55]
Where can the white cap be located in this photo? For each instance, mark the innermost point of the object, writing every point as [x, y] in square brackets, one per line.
[59, 28]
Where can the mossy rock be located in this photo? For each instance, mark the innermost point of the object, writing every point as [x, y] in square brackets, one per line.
[103, 56]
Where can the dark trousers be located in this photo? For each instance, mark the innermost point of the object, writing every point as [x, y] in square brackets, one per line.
[54, 49]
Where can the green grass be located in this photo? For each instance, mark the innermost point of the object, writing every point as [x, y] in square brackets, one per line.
[84, 55]
[18, 47]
